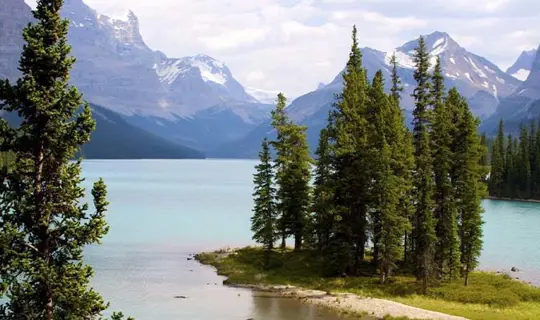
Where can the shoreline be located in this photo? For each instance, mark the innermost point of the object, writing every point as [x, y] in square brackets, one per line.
[512, 199]
[344, 303]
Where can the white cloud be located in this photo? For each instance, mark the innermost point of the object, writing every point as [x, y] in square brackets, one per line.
[294, 45]
[233, 38]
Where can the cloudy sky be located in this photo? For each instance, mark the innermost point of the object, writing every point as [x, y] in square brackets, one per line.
[292, 45]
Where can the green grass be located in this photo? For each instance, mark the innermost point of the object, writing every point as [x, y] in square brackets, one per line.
[488, 295]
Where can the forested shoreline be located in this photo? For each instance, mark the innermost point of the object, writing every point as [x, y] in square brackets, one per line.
[382, 194]
[515, 164]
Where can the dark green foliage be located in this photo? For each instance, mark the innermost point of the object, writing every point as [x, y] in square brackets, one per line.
[469, 186]
[415, 195]
[390, 163]
[264, 213]
[498, 162]
[43, 225]
[520, 177]
[348, 133]
[293, 174]
[424, 236]
[323, 193]
[442, 138]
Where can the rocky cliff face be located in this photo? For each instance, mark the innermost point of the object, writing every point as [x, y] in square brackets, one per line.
[14, 16]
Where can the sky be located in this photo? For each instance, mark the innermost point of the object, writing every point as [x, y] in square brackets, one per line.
[293, 45]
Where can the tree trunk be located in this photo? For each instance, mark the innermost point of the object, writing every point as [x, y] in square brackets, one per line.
[406, 251]
[298, 241]
[467, 275]
[283, 242]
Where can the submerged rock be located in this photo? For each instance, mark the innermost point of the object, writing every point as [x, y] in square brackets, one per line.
[514, 269]
[180, 297]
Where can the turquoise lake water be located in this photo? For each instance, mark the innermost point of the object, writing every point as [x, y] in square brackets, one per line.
[161, 211]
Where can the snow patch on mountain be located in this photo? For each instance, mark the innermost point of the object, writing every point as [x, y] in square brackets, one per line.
[210, 69]
[404, 60]
[453, 60]
[521, 74]
[476, 69]
[263, 96]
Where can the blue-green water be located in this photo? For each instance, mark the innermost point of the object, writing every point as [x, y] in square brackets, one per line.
[161, 211]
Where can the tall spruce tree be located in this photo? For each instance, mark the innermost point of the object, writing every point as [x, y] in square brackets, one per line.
[293, 175]
[386, 144]
[323, 193]
[43, 226]
[403, 152]
[424, 236]
[263, 221]
[447, 251]
[349, 137]
[469, 186]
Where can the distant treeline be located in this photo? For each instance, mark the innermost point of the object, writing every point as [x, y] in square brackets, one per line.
[415, 196]
[515, 163]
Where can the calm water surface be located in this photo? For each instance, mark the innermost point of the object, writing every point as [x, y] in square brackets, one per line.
[163, 210]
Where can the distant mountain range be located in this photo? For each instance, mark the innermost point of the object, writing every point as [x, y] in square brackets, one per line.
[480, 81]
[524, 103]
[177, 105]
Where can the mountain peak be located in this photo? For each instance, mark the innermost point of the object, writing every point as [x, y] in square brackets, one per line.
[522, 67]
[437, 43]
[533, 80]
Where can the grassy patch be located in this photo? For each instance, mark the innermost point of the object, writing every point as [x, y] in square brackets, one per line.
[488, 296]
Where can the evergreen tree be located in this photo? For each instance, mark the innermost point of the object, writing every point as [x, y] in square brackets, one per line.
[386, 142]
[424, 223]
[293, 175]
[349, 137]
[403, 152]
[509, 190]
[497, 164]
[323, 192]
[264, 213]
[469, 187]
[43, 226]
[447, 251]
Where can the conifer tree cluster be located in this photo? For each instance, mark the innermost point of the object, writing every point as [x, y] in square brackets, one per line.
[515, 163]
[408, 199]
[284, 211]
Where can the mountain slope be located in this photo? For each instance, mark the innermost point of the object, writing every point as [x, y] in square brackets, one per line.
[479, 80]
[117, 70]
[114, 138]
[522, 105]
[522, 67]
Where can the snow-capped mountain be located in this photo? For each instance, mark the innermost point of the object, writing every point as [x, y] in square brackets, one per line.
[264, 96]
[480, 81]
[522, 67]
[116, 69]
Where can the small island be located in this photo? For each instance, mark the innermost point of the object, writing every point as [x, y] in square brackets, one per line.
[297, 275]
[386, 221]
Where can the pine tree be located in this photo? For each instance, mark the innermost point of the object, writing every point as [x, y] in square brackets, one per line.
[424, 223]
[323, 192]
[264, 213]
[349, 136]
[43, 226]
[386, 143]
[404, 155]
[509, 169]
[282, 124]
[447, 251]
[469, 187]
[497, 164]
[293, 175]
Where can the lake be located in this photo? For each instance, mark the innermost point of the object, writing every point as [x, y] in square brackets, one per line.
[163, 210]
